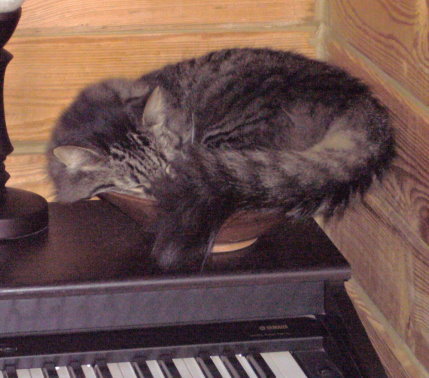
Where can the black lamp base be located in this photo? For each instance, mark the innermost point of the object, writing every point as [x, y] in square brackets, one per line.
[22, 213]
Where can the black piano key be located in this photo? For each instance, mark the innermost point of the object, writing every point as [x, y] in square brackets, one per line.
[49, 370]
[71, 372]
[168, 367]
[141, 368]
[172, 368]
[231, 368]
[236, 364]
[207, 366]
[10, 372]
[101, 369]
[259, 364]
[75, 370]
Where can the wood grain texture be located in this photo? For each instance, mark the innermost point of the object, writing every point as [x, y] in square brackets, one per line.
[46, 73]
[392, 33]
[385, 238]
[137, 14]
[395, 356]
[29, 172]
[388, 268]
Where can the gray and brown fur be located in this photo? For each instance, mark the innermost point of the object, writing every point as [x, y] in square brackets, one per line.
[234, 129]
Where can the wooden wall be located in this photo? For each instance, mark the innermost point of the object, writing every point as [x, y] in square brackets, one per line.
[62, 45]
[385, 238]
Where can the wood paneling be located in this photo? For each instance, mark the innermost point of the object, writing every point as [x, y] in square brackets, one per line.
[386, 237]
[395, 356]
[388, 268]
[392, 33]
[28, 172]
[60, 46]
[47, 72]
[138, 14]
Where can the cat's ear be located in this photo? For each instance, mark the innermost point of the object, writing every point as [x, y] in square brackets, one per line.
[155, 119]
[155, 109]
[78, 158]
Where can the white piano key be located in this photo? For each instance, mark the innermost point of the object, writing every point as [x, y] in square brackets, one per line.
[127, 370]
[114, 370]
[89, 372]
[220, 366]
[23, 373]
[1, 374]
[246, 366]
[286, 364]
[182, 368]
[272, 364]
[37, 373]
[62, 372]
[155, 369]
[193, 367]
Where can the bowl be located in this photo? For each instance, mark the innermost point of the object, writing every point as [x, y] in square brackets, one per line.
[239, 231]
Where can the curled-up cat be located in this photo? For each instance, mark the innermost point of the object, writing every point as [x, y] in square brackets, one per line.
[233, 130]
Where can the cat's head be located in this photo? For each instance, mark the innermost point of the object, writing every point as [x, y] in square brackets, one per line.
[114, 137]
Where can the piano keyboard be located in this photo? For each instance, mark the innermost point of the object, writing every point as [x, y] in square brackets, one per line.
[273, 364]
[292, 347]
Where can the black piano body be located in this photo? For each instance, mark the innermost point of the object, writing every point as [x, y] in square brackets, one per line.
[84, 292]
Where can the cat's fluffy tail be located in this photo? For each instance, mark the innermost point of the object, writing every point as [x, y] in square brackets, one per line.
[210, 184]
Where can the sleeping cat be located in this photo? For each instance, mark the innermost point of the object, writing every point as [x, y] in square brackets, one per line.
[235, 129]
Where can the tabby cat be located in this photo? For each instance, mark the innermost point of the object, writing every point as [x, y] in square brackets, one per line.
[232, 130]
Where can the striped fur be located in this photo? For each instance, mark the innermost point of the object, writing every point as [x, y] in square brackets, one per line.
[235, 129]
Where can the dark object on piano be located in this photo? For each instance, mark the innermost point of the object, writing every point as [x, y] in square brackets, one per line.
[21, 212]
[84, 293]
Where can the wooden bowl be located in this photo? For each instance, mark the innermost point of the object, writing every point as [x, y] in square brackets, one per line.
[239, 231]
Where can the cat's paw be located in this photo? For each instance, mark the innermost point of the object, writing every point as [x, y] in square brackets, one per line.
[171, 258]
[168, 257]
